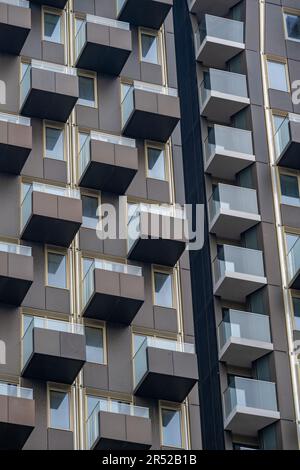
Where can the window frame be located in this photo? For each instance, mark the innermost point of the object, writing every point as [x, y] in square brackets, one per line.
[173, 407]
[158, 36]
[57, 12]
[93, 76]
[63, 128]
[100, 326]
[60, 389]
[291, 12]
[167, 271]
[286, 172]
[281, 61]
[159, 146]
[58, 251]
[92, 194]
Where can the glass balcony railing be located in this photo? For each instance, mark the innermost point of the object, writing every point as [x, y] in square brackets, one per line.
[140, 364]
[26, 205]
[81, 39]
[128, 104]
[14, 119]
[219, 28]
[15, 391]
[235, 259]
[244, 325]
[85, 151]
[25, 83]
[282, 135]
[293, 259]
[15, 249]
[16, 3]
[45, 324]
[232, 198]
[110, 406]
[228, 139]
[226, 83]
[251, 394]
[88, 280]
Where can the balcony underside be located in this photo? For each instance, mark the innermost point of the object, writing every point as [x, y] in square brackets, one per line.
[159, 386]
[49, 230]
[151, 126]
[147, 13]
[13, 436]
[47, 105]
[219, 107]
[225, 164]
[242, 352]
[248, 421]
[157, 251]
[51, 3]
[114, 444]
[112, 309]
[13, 290]
[50, 368]
[12, 38]
[108, 178]
[215, 7]
[102, 59]
[290, 157]
[231, 224]
[215, 52]
[236, 287]
[13, 158]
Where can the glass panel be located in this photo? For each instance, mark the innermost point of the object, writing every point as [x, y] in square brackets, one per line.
[296, 307]
[80, 38]
[234, 198]
[59, 410]
[282, 133]
[89, 212]
[127, 93]
[171, 424]
[86, 91]
[234, 259]
[223, 82]
[163, 289]
[221, 28]
[289, 190]
[156, 163]
[149, 48]
[52, 27]
[94, 345]
[10, 390]
[277, 76]
[57, 270]
[54, 143]
[293, 247]
[25, 81]
[228, 139]
[293, 26]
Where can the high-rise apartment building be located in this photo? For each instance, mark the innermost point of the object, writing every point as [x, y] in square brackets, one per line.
[238, 74]
[97, 335]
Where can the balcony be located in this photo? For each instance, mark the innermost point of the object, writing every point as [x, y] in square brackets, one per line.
[15, 142]
[218, 40]
[48, 91]
[15, 25]
[238, 272]
[147, 13]
[112, 292]
[156, 234]
[217, 7]
[16, 273]
[293, 263]
[113, 425]
[250, 405]
[232, 211]
[52, 350]
[102, 45]
[50, 214]
[164, 369]
[222, 94]
[244, 337]
[227, 151]
[107, 162]
[287, 142]
[17, 416]
[51, 3]
[150, 112]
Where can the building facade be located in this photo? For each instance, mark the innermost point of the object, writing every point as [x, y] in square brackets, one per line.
[97, 335]
[238, 71]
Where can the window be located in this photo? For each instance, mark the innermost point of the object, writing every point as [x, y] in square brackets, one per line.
[292, 24]
[163, 289]
[52, 27]
[289, 190]
[296, 307]
[89, 211]
[57, 270]
[171, 428]
[55, 138]
[59, 410]
[277, 73]
[94, 345]
[150, 48]
[87, 91]
[156, 165]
